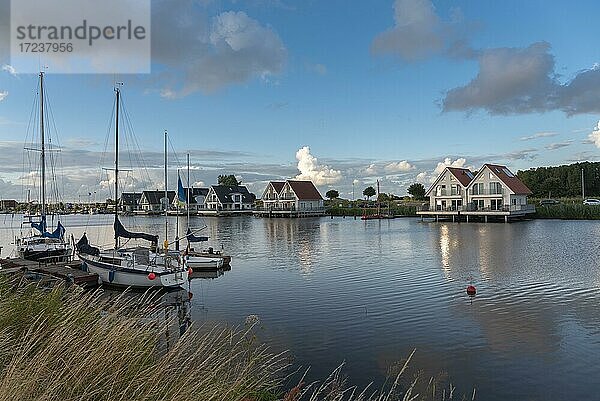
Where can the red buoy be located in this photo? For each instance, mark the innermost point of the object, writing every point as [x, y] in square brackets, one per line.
[151, 276]
[471, 290]
[190, 271]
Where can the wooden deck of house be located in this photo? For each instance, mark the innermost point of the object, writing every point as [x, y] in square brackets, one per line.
[470, 214]
[290, 213]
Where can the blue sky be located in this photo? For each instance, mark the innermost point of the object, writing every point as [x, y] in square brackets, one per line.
[378, 90]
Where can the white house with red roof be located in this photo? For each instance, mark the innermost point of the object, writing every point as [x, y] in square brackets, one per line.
[492, 191]
[495, 187]
[449, 190]
[294, 198]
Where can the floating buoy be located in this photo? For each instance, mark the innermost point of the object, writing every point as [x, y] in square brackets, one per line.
[471, 290]
[151, 276]
[190, 296]
[190, 271]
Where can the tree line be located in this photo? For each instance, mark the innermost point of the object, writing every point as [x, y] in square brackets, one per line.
[563, 181]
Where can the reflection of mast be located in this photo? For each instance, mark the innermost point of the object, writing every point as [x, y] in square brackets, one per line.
[378, 203]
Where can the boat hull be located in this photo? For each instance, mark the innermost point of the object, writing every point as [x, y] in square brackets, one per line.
[126, 277]
[47, 254]
[202, 262]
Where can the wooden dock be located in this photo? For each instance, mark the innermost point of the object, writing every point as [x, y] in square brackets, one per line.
[66, 271]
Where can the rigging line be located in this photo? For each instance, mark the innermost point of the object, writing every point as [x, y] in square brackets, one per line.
[58, 158]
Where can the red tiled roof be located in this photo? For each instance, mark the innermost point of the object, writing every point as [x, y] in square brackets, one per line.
[511, 180]
[463, 175]
[278, 185]
[305, 190]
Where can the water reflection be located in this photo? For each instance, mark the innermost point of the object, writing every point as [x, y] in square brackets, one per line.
[333, 290]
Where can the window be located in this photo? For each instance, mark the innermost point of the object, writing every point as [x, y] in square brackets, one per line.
[508, 172]
[495, 188]
[496, 204]
[477, 188]
[455, 189]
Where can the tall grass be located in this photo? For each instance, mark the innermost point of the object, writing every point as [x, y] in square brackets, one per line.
[568, 212]
[68, 345]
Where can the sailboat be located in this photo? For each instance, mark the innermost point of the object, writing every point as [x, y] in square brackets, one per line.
[41, 245]
[141, 267]
[378, 215]
[195, 260]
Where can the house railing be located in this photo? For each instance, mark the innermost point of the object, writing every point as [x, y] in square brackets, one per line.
[288, 209]
[447, 192]
[486, 191]
[474, 208]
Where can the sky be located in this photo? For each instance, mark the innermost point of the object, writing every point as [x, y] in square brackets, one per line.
[343, 93]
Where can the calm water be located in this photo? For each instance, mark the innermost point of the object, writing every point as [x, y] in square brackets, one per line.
[369, 292]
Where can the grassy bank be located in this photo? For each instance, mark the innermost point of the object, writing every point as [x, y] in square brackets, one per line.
[67, 345]
[399, 210]
[568, 211]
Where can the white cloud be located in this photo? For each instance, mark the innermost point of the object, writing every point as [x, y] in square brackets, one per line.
[371, 170]
[594, 137]
[538, 135]
[426, 177]
[198, 184]
[355, 182]
[310, 169]
[3, 95]
[399, 167]
[10, 69]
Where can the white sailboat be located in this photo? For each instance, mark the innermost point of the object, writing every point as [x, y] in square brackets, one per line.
[41, 245]
[132, 267]
[195, 260]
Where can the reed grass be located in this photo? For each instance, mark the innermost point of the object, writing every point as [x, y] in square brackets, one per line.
[68, 345]
[568, 212]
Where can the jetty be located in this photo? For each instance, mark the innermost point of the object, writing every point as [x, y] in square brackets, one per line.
[68, 271]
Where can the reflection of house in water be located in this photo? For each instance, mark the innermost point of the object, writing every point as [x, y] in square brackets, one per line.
[294, 238]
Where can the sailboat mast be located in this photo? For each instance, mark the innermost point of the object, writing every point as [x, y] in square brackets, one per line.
[187, 200]
[43, 144]
[117, 162]
[166, 194]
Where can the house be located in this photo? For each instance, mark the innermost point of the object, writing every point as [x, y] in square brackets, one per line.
[197, 198]
[151, 201]
[270, 196]
[291, 198]
[495, 187]
[492, 191]
[449, 190]
[129, 201]
[229, 199]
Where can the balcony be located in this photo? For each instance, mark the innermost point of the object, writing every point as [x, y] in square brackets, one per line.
[447, 192]
[486, 191]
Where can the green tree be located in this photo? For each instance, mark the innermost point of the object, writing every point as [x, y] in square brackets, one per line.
[383, 197]
[228, 180]
[417, 190]
[332, 194]
[369, 191]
